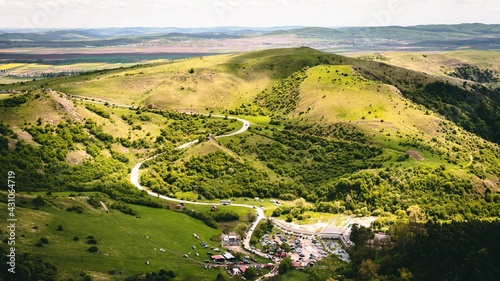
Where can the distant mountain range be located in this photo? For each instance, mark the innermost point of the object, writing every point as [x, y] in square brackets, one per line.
[475, 35]
[420, 32]
[127, 31]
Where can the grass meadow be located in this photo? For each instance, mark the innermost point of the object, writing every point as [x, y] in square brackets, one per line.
[125, 242]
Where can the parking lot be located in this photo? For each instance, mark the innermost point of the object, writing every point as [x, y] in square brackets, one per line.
[304, 249]
[307, 250]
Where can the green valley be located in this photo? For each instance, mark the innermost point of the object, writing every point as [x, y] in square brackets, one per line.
[329, 135]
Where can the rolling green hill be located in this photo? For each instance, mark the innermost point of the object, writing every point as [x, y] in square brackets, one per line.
[348, 135]
[393, 109]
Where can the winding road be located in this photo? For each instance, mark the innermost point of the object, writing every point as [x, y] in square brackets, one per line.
[135, 180]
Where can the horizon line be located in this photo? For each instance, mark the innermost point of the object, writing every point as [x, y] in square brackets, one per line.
[246, 27]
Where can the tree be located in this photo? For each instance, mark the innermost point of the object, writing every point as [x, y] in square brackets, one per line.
[59, 228]
[250, 273]
[276, 212]
[241, 229]
[238, 255]
[314, 276]
[405, 274]
[360, 234]
[285, 265]
[220, 277]
[299, 203]
[368, 270]
[250, 216]
[269, 225]
[168, 273]
[285, 247]
[415, 213]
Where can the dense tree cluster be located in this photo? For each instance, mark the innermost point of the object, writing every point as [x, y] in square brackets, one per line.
[283, 97]
[431, 251]
[476, 74]
[439, 193]
[97, 110]
[330, 172]
[215, 175]
[14, 101]
[45, 166]
[28, 268]
[124, 209]
[477, 110]
[213, 218]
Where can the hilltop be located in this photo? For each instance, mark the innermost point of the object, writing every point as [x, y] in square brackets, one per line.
[216, 83]
[311, 96]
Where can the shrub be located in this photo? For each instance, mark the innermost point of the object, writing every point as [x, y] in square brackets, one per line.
[91, 241]
[39, 201]
[93, 249]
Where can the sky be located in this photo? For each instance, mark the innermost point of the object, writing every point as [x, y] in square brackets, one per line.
[41, 14]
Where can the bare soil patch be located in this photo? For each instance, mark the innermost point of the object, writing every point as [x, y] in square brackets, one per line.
[66, 104]
[415, 155]
[377, 125]
[23, 135]
[77, 157]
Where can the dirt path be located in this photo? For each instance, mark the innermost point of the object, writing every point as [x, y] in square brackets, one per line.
[104, 206]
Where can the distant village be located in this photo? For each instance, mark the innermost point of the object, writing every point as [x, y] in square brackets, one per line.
[24, 74]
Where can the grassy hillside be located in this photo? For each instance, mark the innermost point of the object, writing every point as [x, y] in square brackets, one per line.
[231, 81]
[124, 242]
[370, 101]
[44, 134]
[439, 63]
[171, 86]
[351, 136]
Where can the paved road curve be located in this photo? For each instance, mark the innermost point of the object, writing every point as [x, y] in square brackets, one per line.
[134, 178]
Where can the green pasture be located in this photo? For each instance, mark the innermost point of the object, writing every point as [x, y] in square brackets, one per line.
[125, 242]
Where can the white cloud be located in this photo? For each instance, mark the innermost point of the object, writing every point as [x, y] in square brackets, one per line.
[195, 13]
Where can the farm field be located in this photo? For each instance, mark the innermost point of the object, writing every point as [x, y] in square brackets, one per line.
[26, 66]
